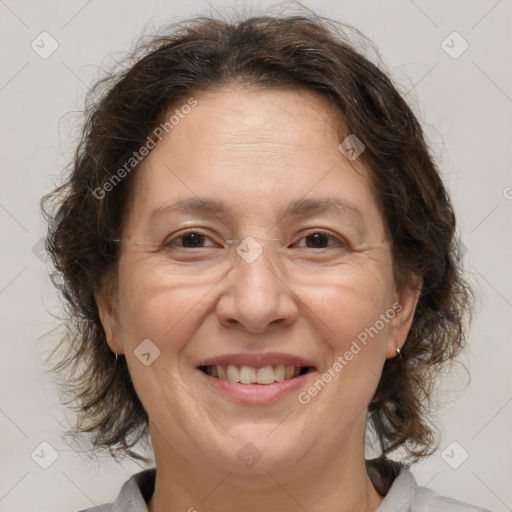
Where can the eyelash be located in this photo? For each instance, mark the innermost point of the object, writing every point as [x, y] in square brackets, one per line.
[168, 244]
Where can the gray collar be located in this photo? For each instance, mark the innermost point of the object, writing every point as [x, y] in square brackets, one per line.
[396, 482]
[137, 491]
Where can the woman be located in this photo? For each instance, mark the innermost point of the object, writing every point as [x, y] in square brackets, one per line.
[261, 266]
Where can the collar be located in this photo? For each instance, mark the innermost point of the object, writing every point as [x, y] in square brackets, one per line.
[391, 479]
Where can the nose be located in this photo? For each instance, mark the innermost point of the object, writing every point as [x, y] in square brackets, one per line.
[256, 297]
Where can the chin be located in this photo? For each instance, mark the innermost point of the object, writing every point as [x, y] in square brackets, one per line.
[260, 449]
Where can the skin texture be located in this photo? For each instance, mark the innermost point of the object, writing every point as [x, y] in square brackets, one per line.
[256, 150]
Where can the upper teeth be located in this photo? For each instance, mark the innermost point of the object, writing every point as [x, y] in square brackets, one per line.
[250, 375]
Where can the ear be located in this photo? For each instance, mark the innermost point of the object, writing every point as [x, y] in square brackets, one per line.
[108, 318]
[404, 306]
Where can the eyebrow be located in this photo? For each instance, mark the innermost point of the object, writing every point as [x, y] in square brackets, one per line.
[296, 208]
[313, 206]
[193, 205]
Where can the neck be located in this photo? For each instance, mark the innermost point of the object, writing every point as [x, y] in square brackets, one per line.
[318, 482]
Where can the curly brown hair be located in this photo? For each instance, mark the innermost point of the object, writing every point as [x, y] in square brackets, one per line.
[204, 54]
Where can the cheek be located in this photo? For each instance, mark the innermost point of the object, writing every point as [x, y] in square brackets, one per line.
[352, 304]
[350, 316]
[156, 308]
[344, 388]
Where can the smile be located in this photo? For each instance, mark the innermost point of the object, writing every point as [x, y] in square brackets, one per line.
[249, 375]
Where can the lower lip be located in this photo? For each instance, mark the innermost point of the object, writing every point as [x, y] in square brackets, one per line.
[256, 393]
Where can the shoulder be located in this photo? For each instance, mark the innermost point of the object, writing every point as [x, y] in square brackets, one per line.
[428, 500]
[406, 495]
[133, 496]
[99, 508]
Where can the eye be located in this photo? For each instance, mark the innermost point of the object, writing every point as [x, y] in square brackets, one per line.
[320, 240]
[187, 240]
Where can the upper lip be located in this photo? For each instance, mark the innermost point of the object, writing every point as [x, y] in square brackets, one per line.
[257, 360]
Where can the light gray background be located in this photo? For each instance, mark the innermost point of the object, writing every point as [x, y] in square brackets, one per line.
[466, 103]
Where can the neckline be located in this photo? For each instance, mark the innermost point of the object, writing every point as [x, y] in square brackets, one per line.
[382, 473]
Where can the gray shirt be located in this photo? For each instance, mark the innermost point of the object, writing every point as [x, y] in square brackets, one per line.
[404, 495]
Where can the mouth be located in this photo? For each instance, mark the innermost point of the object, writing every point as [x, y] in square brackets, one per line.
[250, 375]
[256, 379]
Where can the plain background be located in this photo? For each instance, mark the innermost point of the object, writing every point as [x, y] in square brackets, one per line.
[466, 105]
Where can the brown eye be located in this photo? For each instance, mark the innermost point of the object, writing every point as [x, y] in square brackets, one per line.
[188, 240]
[192, 240]
[317, 240]
[320, 240]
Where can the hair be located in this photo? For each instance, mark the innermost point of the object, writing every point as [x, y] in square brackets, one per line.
[205, 54]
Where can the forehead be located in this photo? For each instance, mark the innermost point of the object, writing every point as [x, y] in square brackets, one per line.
[255, 150]
[279, 125]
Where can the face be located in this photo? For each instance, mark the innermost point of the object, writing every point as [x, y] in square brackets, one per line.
[311, 316]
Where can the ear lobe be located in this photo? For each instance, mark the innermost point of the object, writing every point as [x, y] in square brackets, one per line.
[401, 323]
[109, 323]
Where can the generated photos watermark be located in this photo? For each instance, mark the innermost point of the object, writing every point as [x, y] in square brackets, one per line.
[343, 360]
[137, 156]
